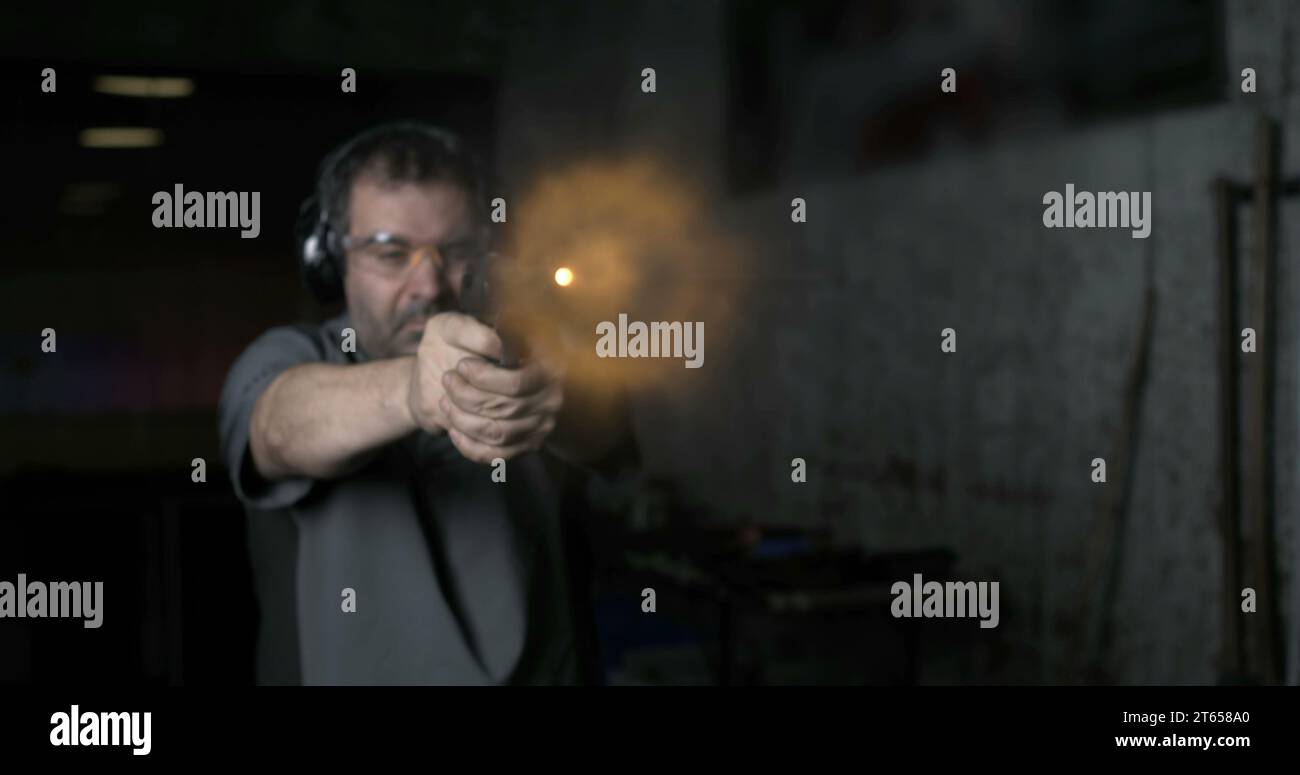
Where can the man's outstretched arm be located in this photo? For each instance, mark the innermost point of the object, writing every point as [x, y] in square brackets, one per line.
[323, 420]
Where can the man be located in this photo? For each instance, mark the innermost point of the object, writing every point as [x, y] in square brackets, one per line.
[385, 550]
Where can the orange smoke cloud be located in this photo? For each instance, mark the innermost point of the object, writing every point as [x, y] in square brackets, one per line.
[636, 238]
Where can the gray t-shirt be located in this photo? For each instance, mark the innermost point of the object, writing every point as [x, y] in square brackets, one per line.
[455, 578]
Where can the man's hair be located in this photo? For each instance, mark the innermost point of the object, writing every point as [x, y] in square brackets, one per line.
[402, 153]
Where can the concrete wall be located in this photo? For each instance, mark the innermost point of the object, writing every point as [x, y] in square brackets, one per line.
[986, 450]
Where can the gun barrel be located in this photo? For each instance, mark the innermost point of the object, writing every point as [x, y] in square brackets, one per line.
[479, 299]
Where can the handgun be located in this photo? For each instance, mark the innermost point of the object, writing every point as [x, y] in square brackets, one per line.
[480, 297]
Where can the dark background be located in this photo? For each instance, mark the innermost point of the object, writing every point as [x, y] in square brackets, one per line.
[924, 213]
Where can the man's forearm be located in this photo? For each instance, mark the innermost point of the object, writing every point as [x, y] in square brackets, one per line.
[322, 420]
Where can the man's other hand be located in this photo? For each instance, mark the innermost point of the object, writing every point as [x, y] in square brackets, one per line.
[493, 412]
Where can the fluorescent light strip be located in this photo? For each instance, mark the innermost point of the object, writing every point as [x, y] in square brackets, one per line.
[121, 137]
[140, 86]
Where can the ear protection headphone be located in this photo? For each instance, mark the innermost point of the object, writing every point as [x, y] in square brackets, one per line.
[319, 241]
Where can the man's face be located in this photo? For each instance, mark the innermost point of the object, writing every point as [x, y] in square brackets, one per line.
[390, 307]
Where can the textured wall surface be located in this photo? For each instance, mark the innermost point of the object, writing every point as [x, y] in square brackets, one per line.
[986, 450]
